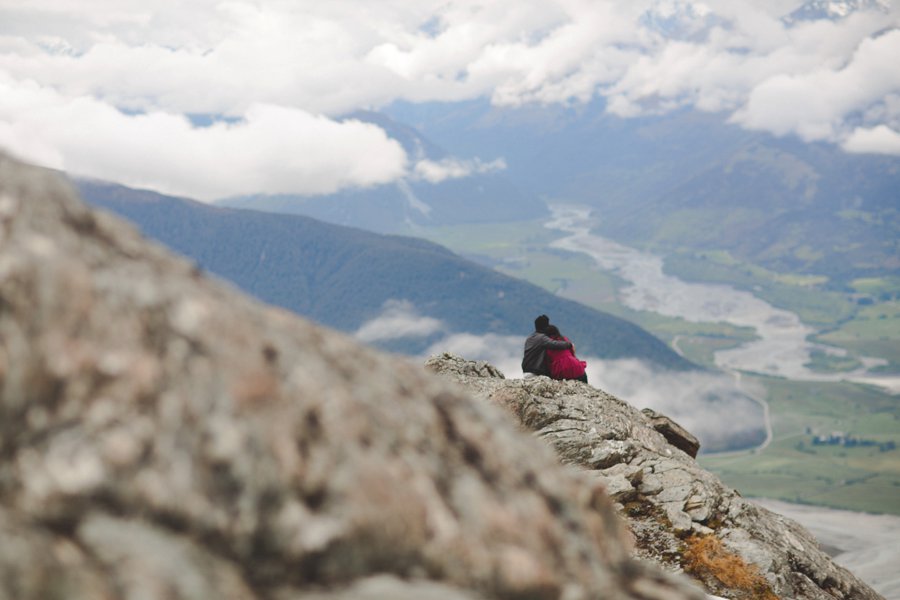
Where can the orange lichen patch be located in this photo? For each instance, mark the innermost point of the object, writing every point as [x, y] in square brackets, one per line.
[707, 559]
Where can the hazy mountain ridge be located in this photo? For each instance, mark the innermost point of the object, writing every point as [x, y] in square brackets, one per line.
[343, 277]
[794, 212]
[691, 180]
[685, 180]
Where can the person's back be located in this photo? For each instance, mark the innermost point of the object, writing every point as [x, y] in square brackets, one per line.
[534, 358]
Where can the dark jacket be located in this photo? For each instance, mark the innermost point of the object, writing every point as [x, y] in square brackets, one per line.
[535, 358]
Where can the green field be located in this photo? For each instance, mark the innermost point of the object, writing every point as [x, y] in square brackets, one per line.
[793, 468]
[873, 331]
[865, 321]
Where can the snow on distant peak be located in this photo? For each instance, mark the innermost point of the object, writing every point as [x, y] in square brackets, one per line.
[834, 10]
[680, 19]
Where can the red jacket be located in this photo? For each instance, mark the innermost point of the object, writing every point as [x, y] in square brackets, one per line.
[564, 364]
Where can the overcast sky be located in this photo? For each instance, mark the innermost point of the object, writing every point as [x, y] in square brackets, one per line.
[105, 90]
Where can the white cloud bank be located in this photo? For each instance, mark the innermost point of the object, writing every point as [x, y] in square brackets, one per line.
[399, 319]
[275, 149]
[454, 168]
[104, 89]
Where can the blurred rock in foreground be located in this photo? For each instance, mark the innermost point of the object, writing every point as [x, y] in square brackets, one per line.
[164, 437]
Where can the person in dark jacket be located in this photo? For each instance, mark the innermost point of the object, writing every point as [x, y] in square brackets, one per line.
[536, 345]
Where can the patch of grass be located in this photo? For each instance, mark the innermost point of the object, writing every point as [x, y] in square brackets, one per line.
[498, 241]
[878, 287]
[701, 349]
[874, 331]
[564, 273]
[707, 559]
[823, 362]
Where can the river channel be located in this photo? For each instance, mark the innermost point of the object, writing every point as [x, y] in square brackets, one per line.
[782, 348]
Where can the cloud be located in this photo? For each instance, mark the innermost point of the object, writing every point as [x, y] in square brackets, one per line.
[718, 408]
[713, 406]
[398, 319]
[454, 168]
[502, 351]
[272, 149]
[878, 140]
[121, 69]
[815, 104]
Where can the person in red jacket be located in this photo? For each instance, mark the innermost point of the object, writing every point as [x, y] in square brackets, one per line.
[563, 363]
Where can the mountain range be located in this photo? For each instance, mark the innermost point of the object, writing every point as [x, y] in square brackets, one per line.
[682, 181]
[345, 277]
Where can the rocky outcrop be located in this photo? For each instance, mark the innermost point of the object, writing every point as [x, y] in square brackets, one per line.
[674, 433]
[164, 437]
[681, 516]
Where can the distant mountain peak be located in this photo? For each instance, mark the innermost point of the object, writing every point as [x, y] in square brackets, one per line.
[816, 10]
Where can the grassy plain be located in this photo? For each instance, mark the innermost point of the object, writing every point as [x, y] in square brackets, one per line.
[791, 468]
[874, 331]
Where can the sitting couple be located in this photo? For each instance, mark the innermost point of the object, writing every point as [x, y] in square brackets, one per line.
[548, 352]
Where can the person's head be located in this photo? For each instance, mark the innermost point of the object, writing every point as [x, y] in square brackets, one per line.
[541, 323]
[553, 331]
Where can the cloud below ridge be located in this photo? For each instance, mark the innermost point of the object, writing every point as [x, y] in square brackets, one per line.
[114, 70]
[719, 411]
[398, 319]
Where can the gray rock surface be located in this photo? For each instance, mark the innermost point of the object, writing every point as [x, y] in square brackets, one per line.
[681, 516]
[164, 437]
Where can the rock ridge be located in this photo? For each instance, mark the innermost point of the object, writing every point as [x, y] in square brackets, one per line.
[681, 516]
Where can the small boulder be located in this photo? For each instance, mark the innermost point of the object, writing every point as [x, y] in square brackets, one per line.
[674, 433]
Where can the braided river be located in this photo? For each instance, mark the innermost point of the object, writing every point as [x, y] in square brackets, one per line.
[782, 348]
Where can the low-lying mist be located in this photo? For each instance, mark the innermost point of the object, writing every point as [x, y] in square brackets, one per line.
[714, 406]
[711, 405]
